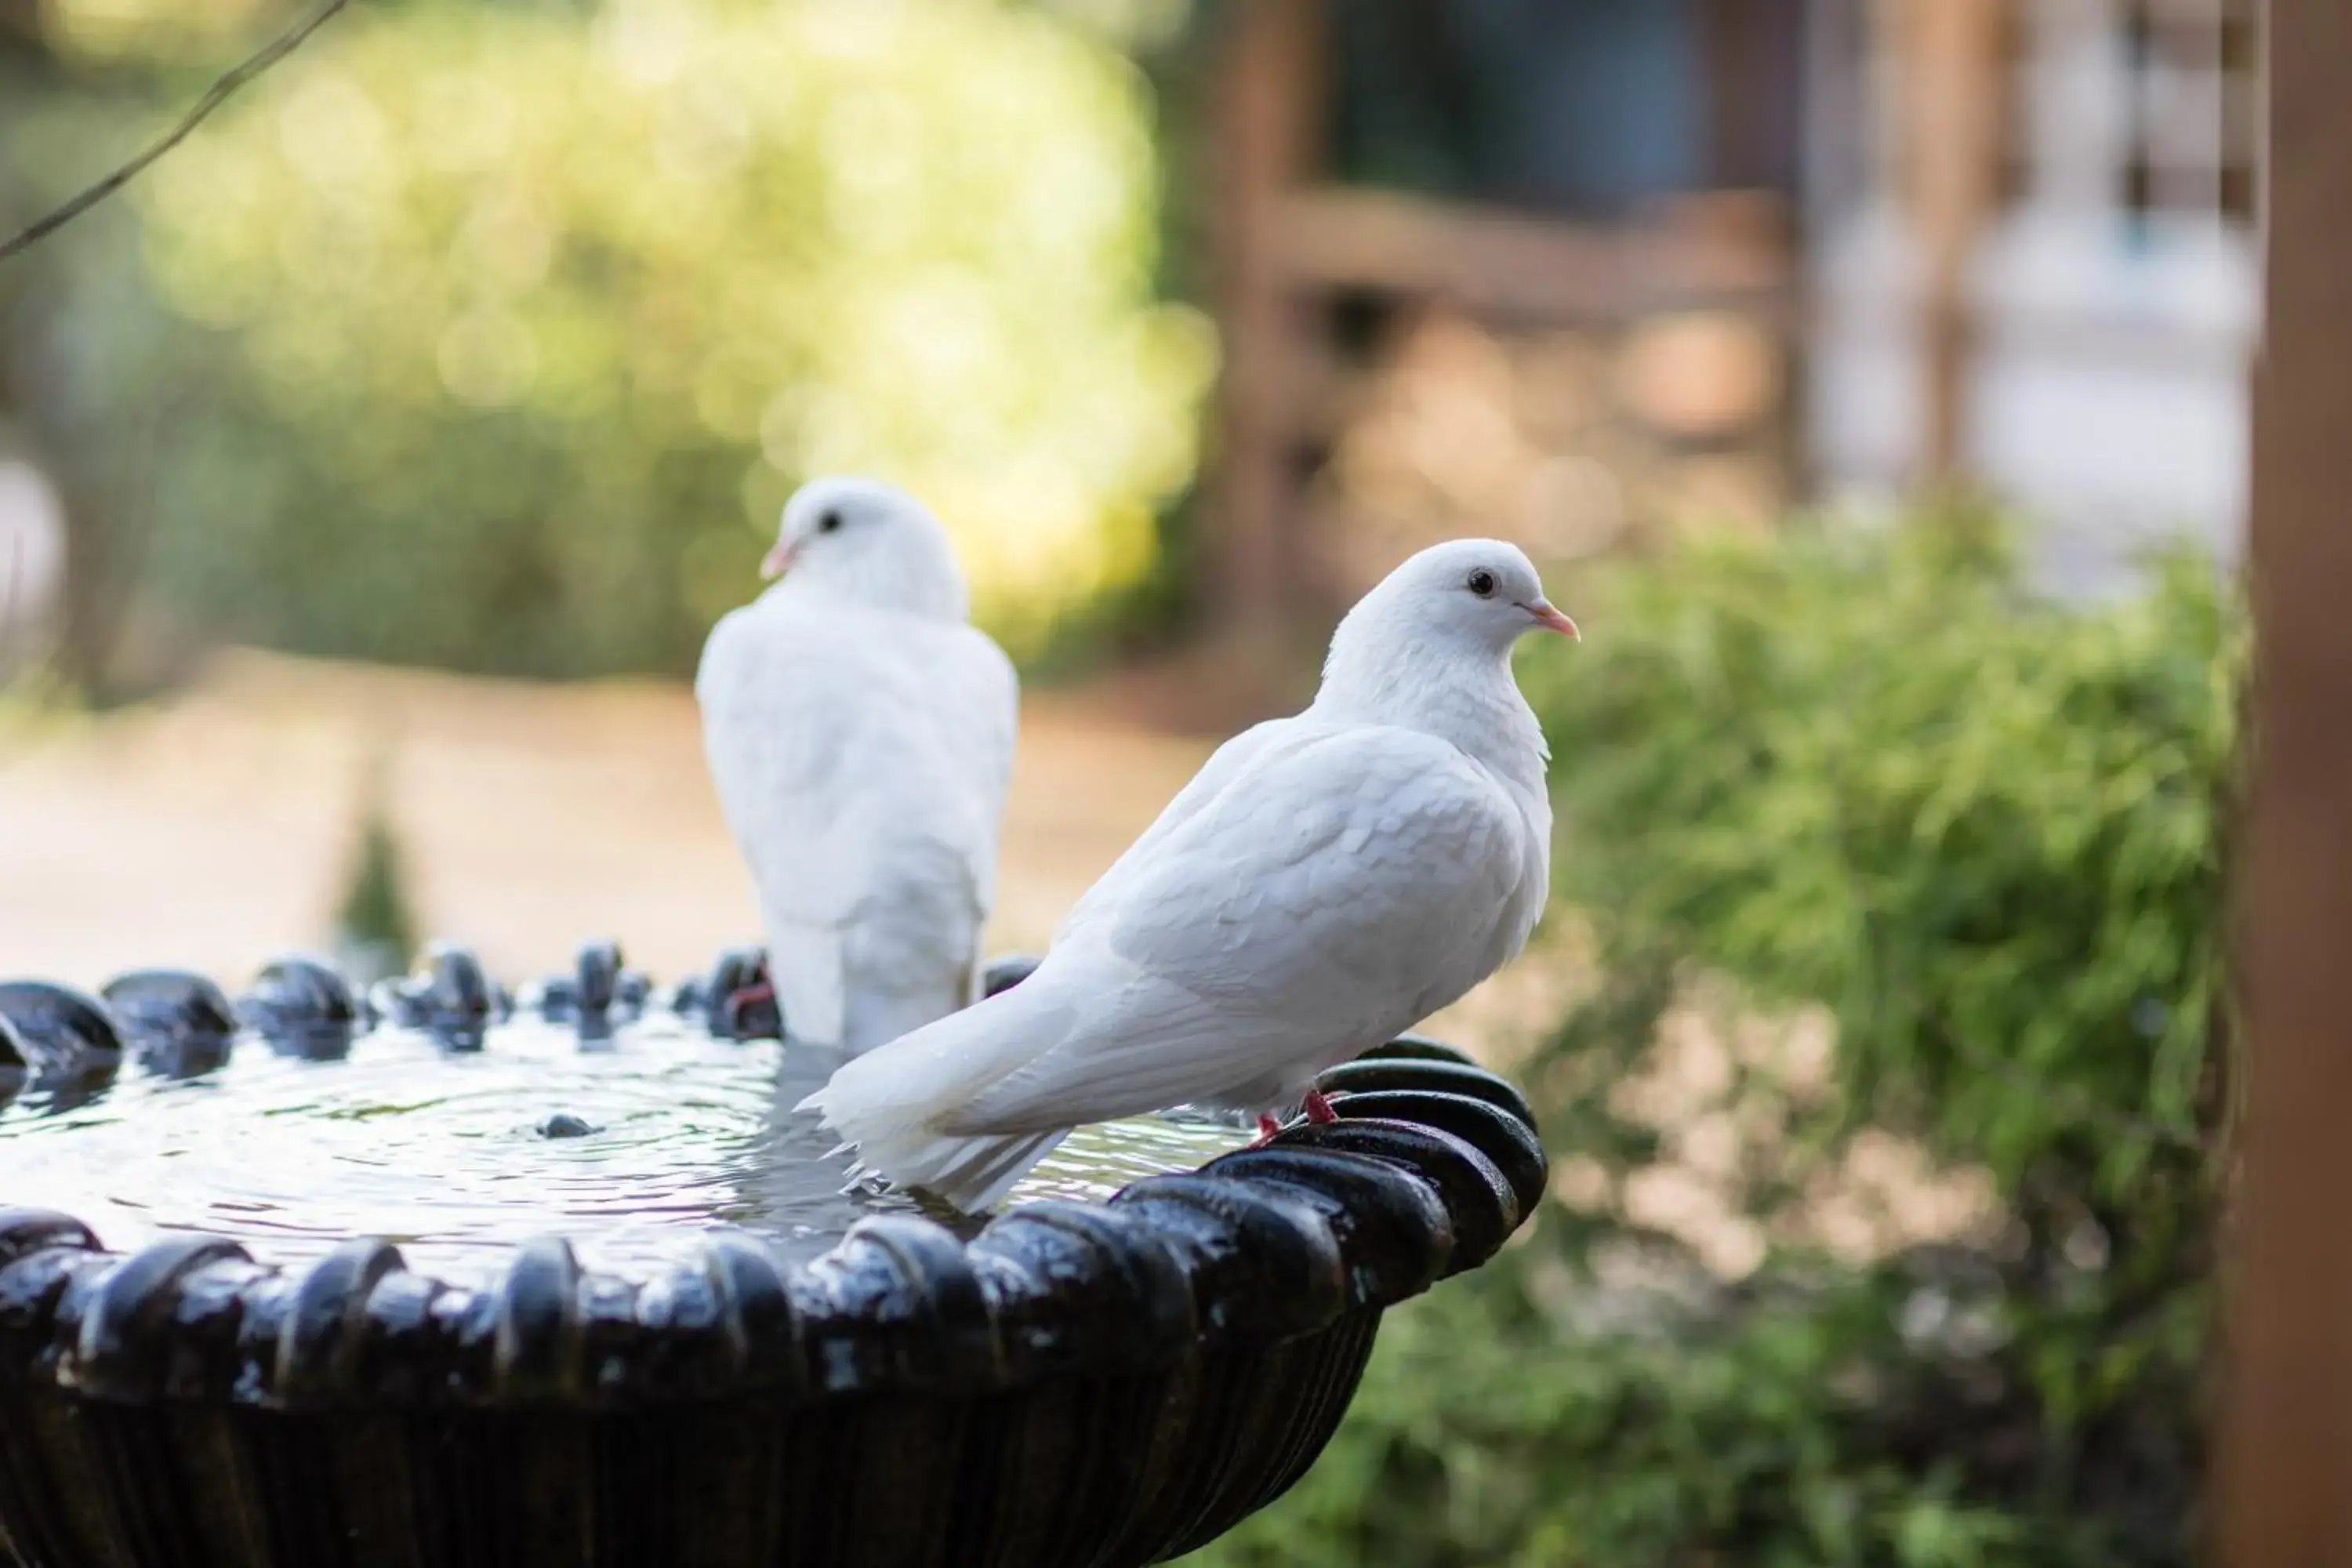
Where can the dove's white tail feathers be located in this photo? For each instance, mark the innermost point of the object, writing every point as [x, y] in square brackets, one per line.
[892, 1103]
[971, 1173]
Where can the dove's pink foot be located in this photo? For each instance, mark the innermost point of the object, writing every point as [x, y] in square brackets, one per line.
[1318, 1110]
[1267, 1127]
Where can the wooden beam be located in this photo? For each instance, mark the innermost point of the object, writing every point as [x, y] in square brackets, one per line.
[2286, 1470]
[1538, 271]
[1266, 114]
[1952, 92]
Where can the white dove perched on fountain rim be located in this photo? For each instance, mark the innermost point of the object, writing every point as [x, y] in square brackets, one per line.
[860, 734]
[1325, 882]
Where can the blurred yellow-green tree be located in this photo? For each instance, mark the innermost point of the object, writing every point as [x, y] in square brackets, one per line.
[495, 337]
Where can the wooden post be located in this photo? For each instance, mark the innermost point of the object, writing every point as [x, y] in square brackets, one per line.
[2286, 1472]
[1755, 53]
[1950, 77]
[1266, 114]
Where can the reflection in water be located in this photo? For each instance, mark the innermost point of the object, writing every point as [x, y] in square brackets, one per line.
[446, 1153]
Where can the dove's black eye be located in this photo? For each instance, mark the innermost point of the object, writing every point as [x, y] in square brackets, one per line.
[1482, 582]
[828, 522]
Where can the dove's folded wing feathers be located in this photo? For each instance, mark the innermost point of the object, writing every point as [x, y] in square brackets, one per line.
[969, 690]
[1347, 883]
[1356, 856]
[761, 704]
[1228, 762]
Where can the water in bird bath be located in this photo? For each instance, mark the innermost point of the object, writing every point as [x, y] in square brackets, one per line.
[630, 1147]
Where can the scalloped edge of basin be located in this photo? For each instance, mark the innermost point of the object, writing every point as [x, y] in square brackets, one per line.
[1079, 1383]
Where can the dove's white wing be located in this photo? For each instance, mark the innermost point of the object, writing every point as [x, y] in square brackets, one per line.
[1342, 886]
[970, 693]
[861, 763]
[1227, 763]
[785, 711]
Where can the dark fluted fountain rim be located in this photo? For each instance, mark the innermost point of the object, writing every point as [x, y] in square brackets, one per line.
[1433, 1165]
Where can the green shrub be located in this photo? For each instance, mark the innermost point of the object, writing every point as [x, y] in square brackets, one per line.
[1869, 777]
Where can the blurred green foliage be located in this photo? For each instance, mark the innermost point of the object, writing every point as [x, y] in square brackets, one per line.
[1936, 1294]
[495, 337]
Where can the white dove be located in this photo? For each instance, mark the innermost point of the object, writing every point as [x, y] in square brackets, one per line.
[860, 734]
[1324, 882]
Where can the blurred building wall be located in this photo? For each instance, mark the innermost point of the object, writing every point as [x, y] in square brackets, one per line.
[2108, 292]
[1591, 274]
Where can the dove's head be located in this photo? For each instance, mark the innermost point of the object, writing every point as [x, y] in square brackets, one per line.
[1466, 593]
[1435, 638]
[869, 543]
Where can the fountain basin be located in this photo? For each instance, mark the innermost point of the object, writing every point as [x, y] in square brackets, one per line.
[1075, 1382]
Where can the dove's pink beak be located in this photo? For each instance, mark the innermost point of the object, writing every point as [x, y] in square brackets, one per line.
[1550, 619]
[779, 560]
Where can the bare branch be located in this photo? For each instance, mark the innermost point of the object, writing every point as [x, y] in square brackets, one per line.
[276, 49]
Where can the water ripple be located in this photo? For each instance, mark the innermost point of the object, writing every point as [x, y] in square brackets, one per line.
[443, 1152]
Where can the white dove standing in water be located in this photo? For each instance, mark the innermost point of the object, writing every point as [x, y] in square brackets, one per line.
[860, 733]
[1325, 882]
